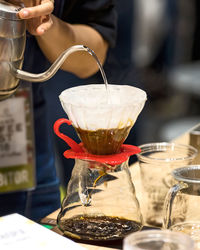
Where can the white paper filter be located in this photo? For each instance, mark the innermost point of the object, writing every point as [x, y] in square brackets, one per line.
[92, 107]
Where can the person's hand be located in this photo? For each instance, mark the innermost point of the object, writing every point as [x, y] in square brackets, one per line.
[37, 14]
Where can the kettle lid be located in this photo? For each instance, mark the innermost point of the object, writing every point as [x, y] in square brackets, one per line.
[9, 11]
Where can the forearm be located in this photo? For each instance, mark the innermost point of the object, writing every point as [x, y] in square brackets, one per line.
[63, 35]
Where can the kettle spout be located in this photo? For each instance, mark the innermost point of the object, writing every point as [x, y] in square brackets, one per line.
[41, 77]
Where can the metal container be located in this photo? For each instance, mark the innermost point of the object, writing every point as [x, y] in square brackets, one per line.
[12, 46]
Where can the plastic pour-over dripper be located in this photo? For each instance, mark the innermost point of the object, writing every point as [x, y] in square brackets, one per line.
[78, 151]
[103, 117]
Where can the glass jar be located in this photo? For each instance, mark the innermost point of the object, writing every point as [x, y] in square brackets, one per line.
[100, 203]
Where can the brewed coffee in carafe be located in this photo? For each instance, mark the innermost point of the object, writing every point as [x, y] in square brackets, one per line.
[100, 203]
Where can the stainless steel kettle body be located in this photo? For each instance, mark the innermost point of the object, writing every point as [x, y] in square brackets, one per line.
[12, 46]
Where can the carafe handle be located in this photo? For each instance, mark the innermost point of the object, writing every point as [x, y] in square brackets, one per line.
[169, 203]
[73, 145]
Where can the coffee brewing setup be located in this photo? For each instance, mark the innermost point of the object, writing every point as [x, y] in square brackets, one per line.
[100, 203]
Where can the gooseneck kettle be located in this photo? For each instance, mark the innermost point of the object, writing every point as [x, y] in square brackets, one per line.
[12, 46]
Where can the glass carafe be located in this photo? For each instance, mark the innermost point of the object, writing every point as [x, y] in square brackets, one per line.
[100, 203]
[183, 202]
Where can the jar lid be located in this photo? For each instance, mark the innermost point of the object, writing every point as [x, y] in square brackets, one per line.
[9, 11]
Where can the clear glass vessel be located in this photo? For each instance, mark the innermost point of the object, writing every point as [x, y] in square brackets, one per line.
[182, 203]
[158, 240]
[101, 203]
[156, 161]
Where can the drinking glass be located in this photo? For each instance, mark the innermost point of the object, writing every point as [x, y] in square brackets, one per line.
[183, 201]
[157, 160]
[158, 240]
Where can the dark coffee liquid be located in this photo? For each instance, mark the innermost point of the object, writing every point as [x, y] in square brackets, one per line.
[103, 141]
[98, 227]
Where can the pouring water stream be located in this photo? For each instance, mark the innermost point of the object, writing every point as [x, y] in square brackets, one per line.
[91, 52]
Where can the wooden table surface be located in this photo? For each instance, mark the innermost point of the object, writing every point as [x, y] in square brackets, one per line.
[51, 218]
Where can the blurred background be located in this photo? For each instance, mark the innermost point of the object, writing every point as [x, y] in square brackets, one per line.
[166, 53]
